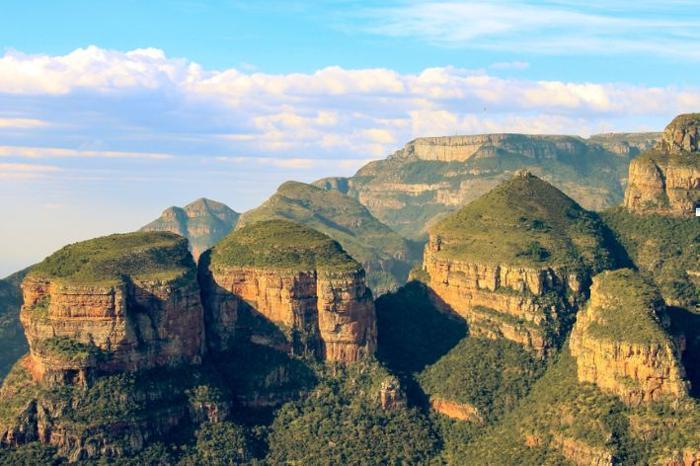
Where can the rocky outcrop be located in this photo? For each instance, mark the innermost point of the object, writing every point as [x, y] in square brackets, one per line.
[581, 453]
[131, 318]
[391, 394]
[666, 179]
[620, 343]
[203, 222]
[688, 457]
[455, 410]
[325, 310]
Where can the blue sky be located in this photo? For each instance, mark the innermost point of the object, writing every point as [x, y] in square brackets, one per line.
[111, 111]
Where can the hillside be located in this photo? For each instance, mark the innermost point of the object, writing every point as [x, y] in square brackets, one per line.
[14, 344]
[385, 255]
[432, 176]
[203, 222]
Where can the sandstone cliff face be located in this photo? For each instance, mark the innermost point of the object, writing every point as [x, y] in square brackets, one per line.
[125, 327]
[329, 313]
[502, 301]
[666, 179]
[455, 410]
[620, 344]
[203, 222]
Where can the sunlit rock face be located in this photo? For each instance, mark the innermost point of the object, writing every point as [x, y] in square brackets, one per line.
[310, 290]
[620, 341]
[666, 179]
[125, 320]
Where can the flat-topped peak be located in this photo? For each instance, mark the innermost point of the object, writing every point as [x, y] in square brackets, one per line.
[281, 244]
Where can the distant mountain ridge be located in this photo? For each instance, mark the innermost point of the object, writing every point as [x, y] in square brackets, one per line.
[203, 222]
[434, 175]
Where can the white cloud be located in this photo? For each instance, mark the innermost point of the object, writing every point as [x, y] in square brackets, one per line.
[21, 171]
[57, 153]
[21, 123]
[157, 107]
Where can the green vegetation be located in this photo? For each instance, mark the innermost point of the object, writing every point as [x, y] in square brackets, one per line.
[107, 260]
[384, 254]
[525, 221]
[664, 248]
[630, 312]
[14, 344]
[491, 375]
[342, 423]
[69, 349]
[281, 244]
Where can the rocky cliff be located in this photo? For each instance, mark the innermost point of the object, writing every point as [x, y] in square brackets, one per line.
[203, 222]
[281, 273]
[384, 254]
[666, 179]
[116, 335]
[515, 262]
[620, 341]
[431, 176]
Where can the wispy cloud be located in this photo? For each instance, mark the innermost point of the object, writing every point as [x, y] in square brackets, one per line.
[22, 123]
[554, 27]
[58, 152]
[22, 171]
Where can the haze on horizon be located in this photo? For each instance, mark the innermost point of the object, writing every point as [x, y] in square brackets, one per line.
[109, 113]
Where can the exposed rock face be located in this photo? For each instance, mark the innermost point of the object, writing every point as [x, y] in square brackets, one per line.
[76, 329]
[666, 179]
[620, 343]
[391, 394]
[326, 310]
[203, 222]
[582, 454]
[455, 410]
[432, 176]
[479, 264]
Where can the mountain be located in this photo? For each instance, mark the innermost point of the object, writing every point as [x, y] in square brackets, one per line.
[516, 262]
[431, 176]
[14, 344]
[384, 254]
[203, 222]
[666, 178]
[296, 278]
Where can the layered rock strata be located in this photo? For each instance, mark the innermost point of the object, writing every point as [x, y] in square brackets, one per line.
[319, 307]
[620, 341]
[666, 179]
[132, 322]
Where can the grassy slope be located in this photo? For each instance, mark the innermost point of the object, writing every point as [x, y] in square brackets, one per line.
[281, 244]
[524, 221]
[140, 255]
[384, 253]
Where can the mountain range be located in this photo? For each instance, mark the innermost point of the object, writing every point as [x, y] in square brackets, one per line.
[552, 317]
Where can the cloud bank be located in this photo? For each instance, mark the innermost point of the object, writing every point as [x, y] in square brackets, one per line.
[103, 104]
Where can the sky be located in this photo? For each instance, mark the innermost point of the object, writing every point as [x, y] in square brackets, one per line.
[111, 111]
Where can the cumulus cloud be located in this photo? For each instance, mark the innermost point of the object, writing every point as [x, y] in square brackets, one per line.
[142, 104]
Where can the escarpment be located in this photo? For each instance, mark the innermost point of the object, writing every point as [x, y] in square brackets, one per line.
[515, 263]
[666, 178]
[203, 222]
[281, 273]
[429, 177]
[620, 341]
